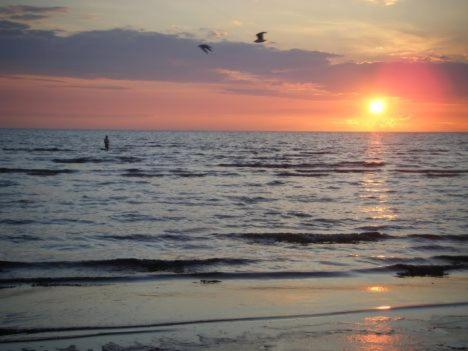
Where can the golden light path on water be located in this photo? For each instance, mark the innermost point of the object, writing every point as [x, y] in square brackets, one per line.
[377, 289]
[380, 335]
[374, 184]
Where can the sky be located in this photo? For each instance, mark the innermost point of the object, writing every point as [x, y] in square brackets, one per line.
[325, 65]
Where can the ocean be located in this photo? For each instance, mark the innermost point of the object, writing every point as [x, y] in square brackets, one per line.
[227, 205]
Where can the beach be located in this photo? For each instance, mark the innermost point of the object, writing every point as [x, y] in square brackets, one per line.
[325, 314]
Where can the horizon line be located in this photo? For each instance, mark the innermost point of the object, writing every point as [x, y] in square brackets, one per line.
[230, 131]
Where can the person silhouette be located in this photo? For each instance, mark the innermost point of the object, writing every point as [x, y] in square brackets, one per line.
[106, 143]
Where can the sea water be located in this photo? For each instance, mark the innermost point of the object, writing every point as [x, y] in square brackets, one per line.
[226, 205]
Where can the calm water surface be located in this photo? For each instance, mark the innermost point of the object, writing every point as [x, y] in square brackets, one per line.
[239, 204]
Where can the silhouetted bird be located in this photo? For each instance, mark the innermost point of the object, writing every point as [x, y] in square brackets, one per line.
[206, 48]
[260, 38]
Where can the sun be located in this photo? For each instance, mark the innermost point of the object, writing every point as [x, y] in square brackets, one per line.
[377, 106]
[378, 113]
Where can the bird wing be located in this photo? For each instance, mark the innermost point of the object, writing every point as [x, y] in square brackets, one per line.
[206, 48]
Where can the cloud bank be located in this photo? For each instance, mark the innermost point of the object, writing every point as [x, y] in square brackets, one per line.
[151, 56]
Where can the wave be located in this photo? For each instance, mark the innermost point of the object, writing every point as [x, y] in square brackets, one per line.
[354, 238]
[16, 221]
[434, 248]
[365, 164]
[126, 264]
[435, 237]
[177, 237]
[37, 149]
[188, 174]
[152, 144]
[299, 214]
[138, 173]
[79, 160]
[139, 217]
[80, 280]
[360, 164]
[36, 172]
[306, 238]
[7, 183]
[250, 199]
[44, 221]
[324, 172]
[354, 170]
[427, 150]
[407, 267]
[402, 270]
[20, 238]
[434, 173]
[371, 228]
[395, 259]
[275, 183]
[121, 159]
[409, 270]
[311, 153]
[147, 237]
[302, 174]
[298, 155]
[131, 269]
[455, 259]
[131, 237]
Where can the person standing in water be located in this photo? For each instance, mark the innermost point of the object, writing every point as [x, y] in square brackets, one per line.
[106, 143]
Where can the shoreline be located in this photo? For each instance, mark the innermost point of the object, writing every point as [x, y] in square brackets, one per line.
[136, 329]
[129, 313]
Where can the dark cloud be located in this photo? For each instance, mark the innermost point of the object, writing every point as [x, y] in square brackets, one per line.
[9, 25]
[130, 54]
[27, 17]
[11, 31]
[30, 13]
[137, 55]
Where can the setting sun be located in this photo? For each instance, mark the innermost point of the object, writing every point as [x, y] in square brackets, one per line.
[377, 106]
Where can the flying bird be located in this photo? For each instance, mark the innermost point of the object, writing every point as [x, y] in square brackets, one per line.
[260, 38]
[206, 48]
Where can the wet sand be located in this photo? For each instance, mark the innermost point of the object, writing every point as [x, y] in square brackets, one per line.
[373, 312]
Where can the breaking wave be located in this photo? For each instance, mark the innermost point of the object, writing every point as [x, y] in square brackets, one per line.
[305, 238]
[126, 264]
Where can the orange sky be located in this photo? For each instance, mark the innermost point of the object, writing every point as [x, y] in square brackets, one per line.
[60, 102]
[113, 67]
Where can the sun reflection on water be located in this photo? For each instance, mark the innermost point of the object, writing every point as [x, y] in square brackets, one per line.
[377, 289]
[377, 334]
[375, 189]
